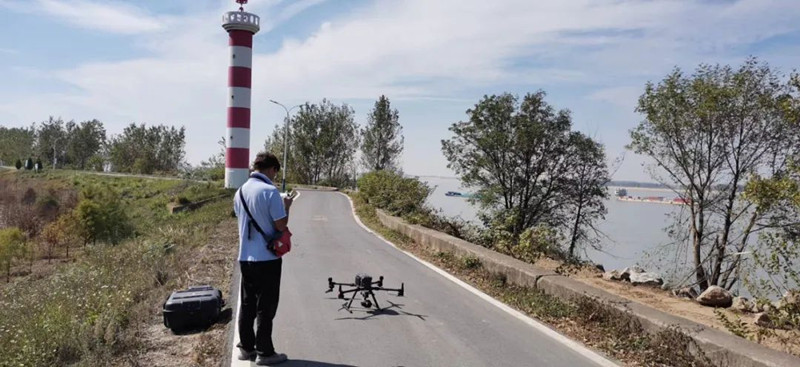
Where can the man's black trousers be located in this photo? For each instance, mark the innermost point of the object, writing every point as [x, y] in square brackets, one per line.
[261, 287]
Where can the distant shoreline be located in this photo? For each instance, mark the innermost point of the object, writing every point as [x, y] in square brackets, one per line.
[641, 188]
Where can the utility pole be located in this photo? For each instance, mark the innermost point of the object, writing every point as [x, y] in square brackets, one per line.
[285, 140]
[55, 141]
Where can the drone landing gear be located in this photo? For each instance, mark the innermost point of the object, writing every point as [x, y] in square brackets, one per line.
[363, 284]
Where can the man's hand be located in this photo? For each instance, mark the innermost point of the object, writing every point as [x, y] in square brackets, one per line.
[287, 202]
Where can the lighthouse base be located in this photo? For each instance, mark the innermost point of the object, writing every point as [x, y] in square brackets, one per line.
[236, 177]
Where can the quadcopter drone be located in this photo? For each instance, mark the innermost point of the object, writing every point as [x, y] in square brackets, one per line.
[364, 284]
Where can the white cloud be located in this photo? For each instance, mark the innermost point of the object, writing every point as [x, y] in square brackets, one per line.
[113, 17]
[624, 96]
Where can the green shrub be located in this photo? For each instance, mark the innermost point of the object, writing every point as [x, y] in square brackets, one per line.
[95, 163]
[394, 193]
[47, 207]
[102, 217]
[536, 242]
[470, 262]
[12, 248]
[142, 166]
[216, 173]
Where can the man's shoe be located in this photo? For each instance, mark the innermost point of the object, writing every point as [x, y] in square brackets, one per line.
[270, 360]
[246, 356]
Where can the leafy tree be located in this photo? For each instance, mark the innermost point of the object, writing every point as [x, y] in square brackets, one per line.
[12, 248]
[64, 232]
[95, 163]
[710, 134]
[274, 145]
[585, 189]
[85, 141]
[382, 137]
[778, 252]
[142, 149]
[50, 239]
[16, 143]
[324, 138]
[100, 216]
[394, 193]
[51, 141]
[214, 167]
[525, 164]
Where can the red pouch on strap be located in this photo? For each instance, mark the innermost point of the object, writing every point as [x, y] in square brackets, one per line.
[282, 244]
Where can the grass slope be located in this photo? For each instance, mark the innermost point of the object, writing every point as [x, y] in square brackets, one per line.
[85, 311]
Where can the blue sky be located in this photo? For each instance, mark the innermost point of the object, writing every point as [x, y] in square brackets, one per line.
[166, 61]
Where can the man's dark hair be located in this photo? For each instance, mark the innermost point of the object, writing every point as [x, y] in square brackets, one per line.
[266, 160]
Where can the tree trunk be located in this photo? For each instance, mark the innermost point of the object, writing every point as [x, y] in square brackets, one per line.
[574, 239]
[722, 245]
[697, 236]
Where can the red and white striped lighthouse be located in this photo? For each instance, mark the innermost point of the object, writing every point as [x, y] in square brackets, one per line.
[241, 27]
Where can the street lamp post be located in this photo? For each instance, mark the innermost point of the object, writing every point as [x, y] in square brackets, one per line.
[285, 140]
[55, 141]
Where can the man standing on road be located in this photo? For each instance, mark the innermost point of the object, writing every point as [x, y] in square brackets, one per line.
[261, 269]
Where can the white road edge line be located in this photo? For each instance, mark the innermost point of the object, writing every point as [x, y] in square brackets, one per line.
[234, 355]
[577, 347]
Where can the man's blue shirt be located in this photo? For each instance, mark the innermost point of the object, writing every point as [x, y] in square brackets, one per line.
[266, 205]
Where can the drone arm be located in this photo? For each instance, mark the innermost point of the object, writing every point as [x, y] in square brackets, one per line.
[386, 289]
[400, 291]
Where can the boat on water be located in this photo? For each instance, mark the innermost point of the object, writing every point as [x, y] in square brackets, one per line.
[654, 199]
[453, 193]
[620, 192]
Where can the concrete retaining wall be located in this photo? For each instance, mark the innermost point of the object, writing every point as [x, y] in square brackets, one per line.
[723, 348]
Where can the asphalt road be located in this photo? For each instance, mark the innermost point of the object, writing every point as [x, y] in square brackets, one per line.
[439, 322]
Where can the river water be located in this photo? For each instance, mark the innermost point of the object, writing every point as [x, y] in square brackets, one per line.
[633, 232]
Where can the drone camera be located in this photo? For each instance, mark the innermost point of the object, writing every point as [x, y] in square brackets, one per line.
[363, 281]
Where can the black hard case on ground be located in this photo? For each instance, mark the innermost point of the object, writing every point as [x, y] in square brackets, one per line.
[192, 308]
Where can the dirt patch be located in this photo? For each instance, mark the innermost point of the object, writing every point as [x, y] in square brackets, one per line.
[212, 264]
[688, 309]
[664, 301]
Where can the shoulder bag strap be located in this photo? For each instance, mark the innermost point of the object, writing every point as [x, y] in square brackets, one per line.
[255, 224]
[277, 232]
